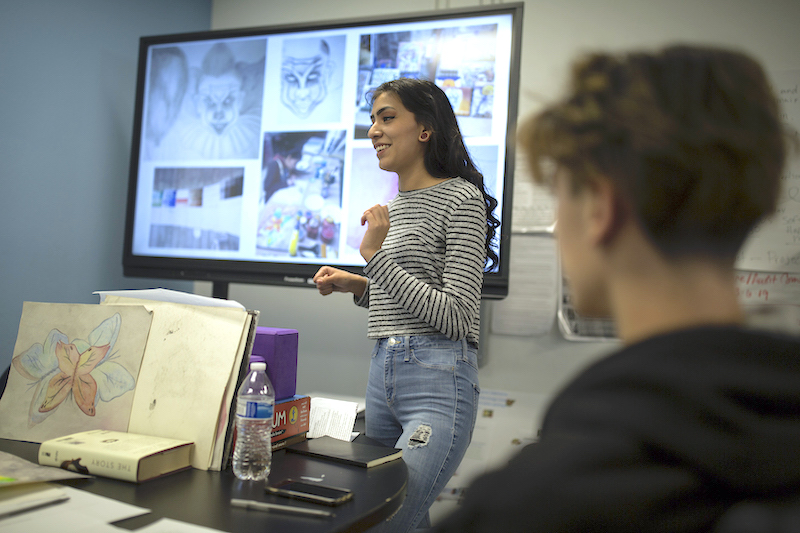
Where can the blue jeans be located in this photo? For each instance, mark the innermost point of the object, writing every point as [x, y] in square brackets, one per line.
[422, 397]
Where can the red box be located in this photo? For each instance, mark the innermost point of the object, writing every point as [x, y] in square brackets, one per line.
[291, 416]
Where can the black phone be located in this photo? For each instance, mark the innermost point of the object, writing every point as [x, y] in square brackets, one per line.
[310, 492]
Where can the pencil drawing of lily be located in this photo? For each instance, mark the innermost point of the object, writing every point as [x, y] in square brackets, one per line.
[81, 369]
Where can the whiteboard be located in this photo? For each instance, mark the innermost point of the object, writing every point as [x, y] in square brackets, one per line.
[774, 245]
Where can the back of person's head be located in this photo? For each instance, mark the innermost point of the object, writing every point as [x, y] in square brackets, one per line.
[446, 155]
[690, 135]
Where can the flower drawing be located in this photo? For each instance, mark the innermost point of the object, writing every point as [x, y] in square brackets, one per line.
[82, 369]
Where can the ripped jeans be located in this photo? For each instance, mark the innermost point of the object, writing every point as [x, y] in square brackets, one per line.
[422, 397]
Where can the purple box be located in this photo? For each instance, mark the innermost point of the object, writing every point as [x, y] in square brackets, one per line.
[278, 348]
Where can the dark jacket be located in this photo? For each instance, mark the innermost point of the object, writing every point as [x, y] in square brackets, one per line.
[665, 435]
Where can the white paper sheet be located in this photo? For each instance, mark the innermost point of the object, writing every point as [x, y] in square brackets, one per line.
[168, 295]
[83, 512]
[530, 307]
[533, 207]
[335, 418]
[167, 525]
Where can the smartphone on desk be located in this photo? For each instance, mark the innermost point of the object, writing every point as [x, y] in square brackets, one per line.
[310, 492]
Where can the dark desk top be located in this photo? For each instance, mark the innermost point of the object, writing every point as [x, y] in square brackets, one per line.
[203, 498]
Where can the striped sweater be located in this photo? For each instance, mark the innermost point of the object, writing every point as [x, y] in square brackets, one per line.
[426, 279]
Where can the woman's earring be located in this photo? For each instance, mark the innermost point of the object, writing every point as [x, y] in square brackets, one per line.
[424, 135]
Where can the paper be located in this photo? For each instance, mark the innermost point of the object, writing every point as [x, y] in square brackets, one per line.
[359, 400]
[74, 367]
[83, 512]
[775, 244]
[533, 209]
[167, 295]
[530, 307]
[334, 418]
[191, 353]
[21, 498]
[167, 525]
[17, 471]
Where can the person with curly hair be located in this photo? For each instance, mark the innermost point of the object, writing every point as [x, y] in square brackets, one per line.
[661, 164]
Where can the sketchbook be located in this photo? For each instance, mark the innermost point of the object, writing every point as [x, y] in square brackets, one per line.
[342, 451]
[129, 364]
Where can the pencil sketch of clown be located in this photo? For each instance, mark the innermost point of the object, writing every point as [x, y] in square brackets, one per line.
[308, 75]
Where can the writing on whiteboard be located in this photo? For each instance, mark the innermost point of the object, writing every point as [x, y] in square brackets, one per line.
[767, 287]
[775, 244]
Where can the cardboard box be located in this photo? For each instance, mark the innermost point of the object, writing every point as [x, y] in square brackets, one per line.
[278, 348]
[288, 441]
[291, 417]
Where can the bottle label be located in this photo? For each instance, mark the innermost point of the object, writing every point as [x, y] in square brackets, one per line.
[258, 410]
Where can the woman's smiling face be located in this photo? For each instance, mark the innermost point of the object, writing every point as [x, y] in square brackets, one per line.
[398, 138]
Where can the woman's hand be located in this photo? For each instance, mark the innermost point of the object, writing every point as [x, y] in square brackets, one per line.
[330, 280]
[377, 220]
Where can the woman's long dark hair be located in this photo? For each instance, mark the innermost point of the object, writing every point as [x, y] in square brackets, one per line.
[445, 154]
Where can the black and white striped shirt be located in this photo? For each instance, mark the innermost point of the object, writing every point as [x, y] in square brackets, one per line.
[426, 279]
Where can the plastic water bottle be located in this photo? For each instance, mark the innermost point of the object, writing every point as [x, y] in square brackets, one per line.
[255, 403]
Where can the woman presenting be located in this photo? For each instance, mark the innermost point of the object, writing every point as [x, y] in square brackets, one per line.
[426, 252]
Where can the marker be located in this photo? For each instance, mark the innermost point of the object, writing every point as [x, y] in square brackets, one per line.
[264, 506]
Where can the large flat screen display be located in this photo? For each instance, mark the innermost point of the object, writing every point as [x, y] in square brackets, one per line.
[251, 161]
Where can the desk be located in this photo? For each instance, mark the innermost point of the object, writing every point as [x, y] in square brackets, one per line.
[203, 498]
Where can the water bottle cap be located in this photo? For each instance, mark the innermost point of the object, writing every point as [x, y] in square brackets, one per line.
[258, 365]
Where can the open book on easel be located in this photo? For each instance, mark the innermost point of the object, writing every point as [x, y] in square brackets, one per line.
[130, 364]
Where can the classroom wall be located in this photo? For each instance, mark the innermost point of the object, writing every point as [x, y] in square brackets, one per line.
[333, 346]
[67, 83]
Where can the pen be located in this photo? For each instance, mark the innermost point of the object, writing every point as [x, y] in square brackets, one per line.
[264, 506]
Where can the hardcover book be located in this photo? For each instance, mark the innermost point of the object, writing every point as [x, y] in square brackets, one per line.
[119, 455]
[342, 451]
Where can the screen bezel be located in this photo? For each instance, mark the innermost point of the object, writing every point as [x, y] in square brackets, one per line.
[225, 271]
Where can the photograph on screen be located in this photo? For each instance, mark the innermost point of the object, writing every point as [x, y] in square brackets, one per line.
[301, 196]
[461, 60]
[311, 79]
[196, 208]
[203, 100]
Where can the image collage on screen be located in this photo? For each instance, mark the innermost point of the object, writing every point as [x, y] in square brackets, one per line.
[256, 149]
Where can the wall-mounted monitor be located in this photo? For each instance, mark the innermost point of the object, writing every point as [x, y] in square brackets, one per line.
[250, 159]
